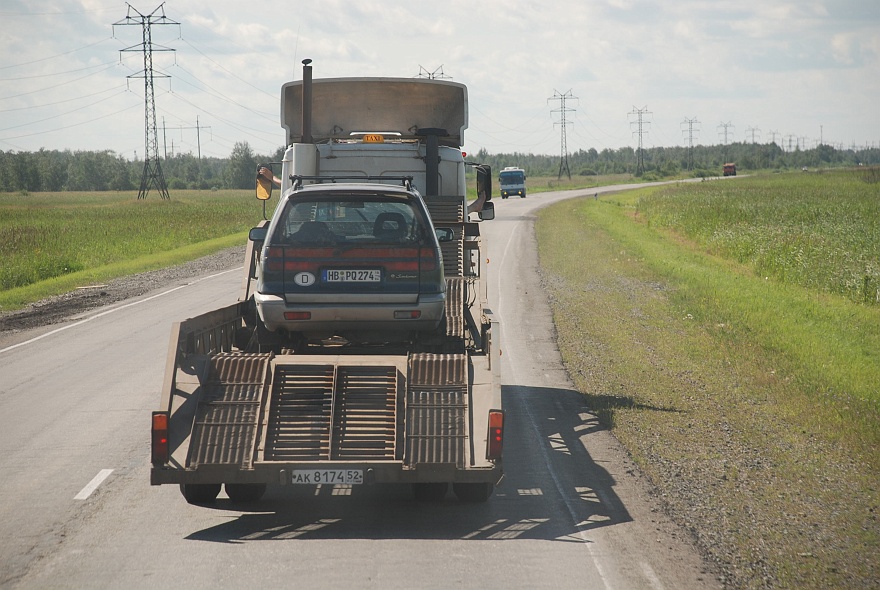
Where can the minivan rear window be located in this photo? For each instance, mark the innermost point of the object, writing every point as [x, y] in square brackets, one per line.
[326, 222]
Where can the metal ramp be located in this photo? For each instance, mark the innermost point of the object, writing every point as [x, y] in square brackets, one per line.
[332, 411]
[227, 414]
[437, 409]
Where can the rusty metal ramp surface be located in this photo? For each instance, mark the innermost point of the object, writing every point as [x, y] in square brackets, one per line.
[333, 411]
[449, 211]
[228, 411]
[437, 409]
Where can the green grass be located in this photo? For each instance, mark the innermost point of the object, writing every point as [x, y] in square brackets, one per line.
[820, 231]
[51, 243]
[758, 391]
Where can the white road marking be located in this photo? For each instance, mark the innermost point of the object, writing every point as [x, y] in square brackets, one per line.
[114, 310]
[93, 485]
[652, 577]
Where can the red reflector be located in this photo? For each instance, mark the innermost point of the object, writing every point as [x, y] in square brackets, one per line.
[413, 314]
[297, 315]
[496, 434]
[159, 448]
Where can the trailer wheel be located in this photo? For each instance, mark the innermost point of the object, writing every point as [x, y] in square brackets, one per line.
[200, 493]
[245, 492]
[473, 492]
[431, 491]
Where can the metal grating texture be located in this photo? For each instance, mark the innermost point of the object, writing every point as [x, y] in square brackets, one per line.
[357, 404]
[227, 414]
[437, 409]
[448, 211]
[455, 293]
[365, 413]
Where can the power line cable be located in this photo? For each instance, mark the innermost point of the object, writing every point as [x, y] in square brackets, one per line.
[54, 86]
[56, 73]
[220, 95]
[58, 115]
[51, 104]
[218, 64]
[28, 63]
[54, 129]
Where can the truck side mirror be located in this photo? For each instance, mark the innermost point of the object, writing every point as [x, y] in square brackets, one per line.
[488, 212]
[264, 188]
[484, 181]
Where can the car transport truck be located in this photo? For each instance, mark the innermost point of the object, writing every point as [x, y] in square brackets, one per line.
[361, 349]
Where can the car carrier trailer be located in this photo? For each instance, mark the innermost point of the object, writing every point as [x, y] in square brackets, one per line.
[247, 408]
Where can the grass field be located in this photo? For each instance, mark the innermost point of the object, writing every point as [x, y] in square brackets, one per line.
[53, 242]
[820, 231]
[750, 398]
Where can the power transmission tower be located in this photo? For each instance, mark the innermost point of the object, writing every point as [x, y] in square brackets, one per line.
[152, 176]
[436, 74]
[640, 156]
[563, 122]
[690, 135]
[725, 127]
[753, 131]
[773, 134]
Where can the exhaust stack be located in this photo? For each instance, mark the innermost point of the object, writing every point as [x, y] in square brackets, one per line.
[307, 102]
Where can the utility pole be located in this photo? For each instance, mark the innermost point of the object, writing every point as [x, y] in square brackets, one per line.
[152, 176]
[563, 121]
[690, 135]
[640, 156]
[198, 135]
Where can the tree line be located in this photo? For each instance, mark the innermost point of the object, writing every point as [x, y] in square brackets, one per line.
[665, 162]
[54, 170]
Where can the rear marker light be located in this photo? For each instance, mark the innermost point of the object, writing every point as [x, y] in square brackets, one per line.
[496, 435]
[297, 315]
[407, 314]
[159, 449]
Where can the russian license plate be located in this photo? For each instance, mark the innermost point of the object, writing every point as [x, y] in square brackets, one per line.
[327, 476]
[360, 275]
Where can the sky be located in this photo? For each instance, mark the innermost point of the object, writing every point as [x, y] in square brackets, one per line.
[797, 72]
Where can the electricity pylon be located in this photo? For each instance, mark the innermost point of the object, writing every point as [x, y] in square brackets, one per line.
[563, 122]
[152, 175]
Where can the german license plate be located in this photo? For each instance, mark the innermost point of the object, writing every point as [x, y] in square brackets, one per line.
[327, 476]
[360, 275]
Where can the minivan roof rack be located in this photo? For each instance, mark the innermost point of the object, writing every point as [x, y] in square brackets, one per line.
[405, 181]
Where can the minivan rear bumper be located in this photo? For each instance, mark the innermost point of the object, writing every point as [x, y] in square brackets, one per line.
[337, 316]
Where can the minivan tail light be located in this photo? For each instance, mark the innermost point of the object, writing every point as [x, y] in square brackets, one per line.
[496, 435]
[159, 447]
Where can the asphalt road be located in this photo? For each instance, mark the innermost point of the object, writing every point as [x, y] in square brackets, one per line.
[77, 509]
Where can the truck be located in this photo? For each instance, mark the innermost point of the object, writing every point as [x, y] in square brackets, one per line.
[729, 169]
[361, 349]
[512, 181]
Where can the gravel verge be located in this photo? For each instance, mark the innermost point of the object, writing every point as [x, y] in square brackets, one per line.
[61, 308]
